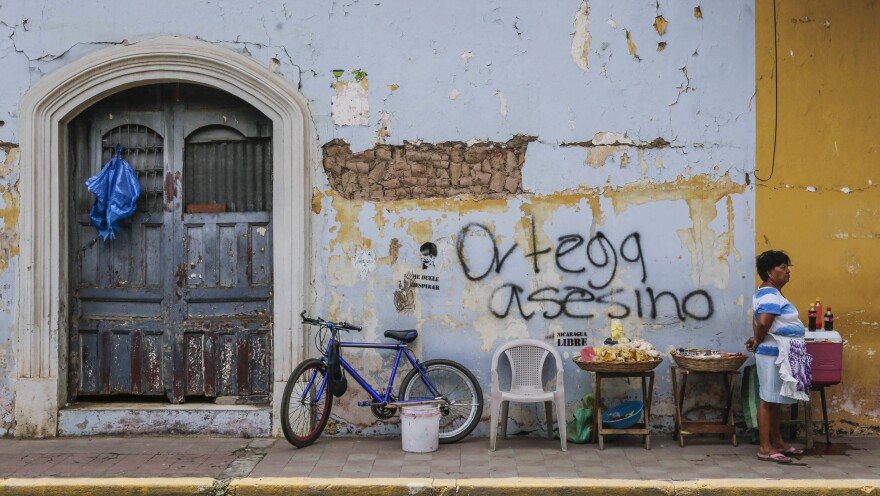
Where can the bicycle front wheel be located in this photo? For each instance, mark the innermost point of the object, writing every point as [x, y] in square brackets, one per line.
[464, 399]
[305, 406]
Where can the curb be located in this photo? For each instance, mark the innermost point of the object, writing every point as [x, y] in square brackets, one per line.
[51, 486]
[270, 486]
[772, 487]
[567, 487]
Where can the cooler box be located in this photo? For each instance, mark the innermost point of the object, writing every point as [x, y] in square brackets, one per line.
[827, 361]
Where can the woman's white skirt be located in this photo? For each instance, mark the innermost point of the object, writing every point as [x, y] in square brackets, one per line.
[770, 381]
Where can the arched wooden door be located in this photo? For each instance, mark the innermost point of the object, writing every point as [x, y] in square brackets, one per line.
[180, 303]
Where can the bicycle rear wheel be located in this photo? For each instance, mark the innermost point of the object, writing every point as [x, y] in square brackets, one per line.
[464, 407]
[305, 406]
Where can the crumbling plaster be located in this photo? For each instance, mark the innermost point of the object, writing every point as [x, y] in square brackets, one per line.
[512, 72]
[518, 51]
[9, 247]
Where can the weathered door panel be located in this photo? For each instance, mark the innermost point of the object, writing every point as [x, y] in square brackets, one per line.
[117, 309]
[120, 360]
[228, 264]
[228, 363]
[227, 224]
[180, 303]
[228, 302]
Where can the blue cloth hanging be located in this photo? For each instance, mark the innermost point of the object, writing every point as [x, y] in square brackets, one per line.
[116, 189]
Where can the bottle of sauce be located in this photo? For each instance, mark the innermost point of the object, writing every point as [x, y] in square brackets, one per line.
[829, 320]
[812, 318]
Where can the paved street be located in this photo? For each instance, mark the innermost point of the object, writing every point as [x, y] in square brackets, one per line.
[528, 457]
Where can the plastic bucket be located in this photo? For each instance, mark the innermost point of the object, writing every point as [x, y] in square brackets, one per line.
[420, 428]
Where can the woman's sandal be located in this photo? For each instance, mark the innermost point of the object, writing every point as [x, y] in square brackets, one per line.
[774, 457]
[792, 451]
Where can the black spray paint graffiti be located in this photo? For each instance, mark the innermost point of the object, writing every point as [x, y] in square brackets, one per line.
[595, 261]
[428, 253]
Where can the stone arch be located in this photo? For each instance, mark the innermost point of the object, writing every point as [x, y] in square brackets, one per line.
[41, 318]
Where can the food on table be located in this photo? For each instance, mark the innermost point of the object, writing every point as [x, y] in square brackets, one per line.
[588, 354]
[619, 348]
[706, 354]
[617, 333]
[638, 350]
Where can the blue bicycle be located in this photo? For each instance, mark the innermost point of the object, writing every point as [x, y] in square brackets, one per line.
[308, 395]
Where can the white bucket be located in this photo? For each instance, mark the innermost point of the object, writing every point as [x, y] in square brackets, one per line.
[420, 428]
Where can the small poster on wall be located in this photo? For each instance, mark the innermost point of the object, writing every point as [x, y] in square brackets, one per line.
[424, 277]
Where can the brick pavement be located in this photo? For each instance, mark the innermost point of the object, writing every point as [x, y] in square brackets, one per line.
[116, 457]
[538, 457]
[354, 458]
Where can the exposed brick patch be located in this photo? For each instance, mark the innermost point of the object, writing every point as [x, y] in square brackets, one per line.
[427, 170]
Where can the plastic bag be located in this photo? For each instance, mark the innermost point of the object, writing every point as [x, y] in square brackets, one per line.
[750, 396]
[116, 189]
[580, 429]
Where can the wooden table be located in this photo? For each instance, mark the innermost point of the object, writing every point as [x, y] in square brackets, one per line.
[643, 428]
[684, 427]
[808, 418]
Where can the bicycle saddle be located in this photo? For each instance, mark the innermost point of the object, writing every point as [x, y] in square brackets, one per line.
[407, 335]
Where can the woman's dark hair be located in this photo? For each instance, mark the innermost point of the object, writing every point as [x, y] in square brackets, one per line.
[766, 261]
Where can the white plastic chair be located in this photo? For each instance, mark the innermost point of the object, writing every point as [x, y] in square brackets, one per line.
[526, 357]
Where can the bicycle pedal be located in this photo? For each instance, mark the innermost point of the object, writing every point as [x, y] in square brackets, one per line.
[364, 403]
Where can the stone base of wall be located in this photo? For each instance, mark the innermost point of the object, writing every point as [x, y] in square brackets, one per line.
[139, 419]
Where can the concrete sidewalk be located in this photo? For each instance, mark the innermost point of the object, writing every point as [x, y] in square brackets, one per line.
[216, 466]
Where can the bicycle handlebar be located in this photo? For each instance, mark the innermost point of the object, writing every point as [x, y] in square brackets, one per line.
[307, 320]
[345, 326]
[348, 327]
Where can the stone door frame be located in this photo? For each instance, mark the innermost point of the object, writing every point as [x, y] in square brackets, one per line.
[41, 322]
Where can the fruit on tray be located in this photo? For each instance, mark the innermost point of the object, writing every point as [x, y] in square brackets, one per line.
[637, 350]
[619, 348]
[617, 332]
[706, 354]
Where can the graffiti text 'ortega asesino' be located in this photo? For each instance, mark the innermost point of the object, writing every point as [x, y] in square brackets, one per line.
[591, 262]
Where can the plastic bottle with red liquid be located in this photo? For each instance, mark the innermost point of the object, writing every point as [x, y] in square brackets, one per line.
[812, 318]
[829, 320]
[819, 313]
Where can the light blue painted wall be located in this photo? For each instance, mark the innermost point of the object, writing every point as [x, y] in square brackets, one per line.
[697, 94]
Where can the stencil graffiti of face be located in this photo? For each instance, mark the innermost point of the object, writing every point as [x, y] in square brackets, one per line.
[428, 255]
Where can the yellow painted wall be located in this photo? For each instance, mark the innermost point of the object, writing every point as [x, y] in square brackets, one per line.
[828, 77]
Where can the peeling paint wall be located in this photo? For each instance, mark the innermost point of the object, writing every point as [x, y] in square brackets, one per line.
[9, 245]
[820, 201]
[618, 215]
[503, 171]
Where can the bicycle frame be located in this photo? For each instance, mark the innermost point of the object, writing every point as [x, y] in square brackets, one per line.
[376, 397]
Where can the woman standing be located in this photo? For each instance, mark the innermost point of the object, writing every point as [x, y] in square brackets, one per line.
[777, 331]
